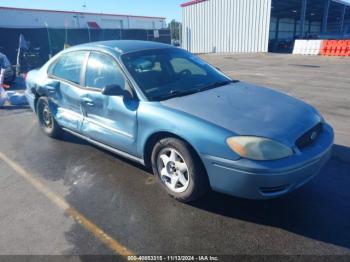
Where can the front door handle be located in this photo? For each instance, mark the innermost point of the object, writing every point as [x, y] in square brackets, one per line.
[88, 101]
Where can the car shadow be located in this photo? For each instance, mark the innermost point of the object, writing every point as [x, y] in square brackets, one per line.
[69, 138]
[320, 210]
[26, 107]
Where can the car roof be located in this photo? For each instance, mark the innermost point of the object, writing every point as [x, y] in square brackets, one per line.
[124, 46]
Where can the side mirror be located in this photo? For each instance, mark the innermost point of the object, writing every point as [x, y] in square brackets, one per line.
[113, 90]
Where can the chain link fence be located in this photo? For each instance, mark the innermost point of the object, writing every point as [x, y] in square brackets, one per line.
[47, 42]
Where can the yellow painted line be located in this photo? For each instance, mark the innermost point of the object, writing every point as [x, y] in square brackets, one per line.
[113, 244]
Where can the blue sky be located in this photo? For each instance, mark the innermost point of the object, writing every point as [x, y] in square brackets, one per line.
[165, 8]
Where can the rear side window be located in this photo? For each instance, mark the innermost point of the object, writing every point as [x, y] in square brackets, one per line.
[68, 66]
[102, 70]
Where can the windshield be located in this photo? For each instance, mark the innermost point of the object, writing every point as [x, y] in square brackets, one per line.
[166, 73]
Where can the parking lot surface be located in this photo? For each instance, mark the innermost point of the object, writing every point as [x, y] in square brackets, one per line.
[122, 198]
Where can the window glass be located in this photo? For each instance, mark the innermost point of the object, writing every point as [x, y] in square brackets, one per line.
[164, 73]
[103, 70]
[68, 66]
[180, 64]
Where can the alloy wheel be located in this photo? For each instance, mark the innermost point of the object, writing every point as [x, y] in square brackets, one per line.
[173, 170]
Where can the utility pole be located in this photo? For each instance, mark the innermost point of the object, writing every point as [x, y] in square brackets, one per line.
[303, 18]
[49, 39]
[84, 7]
[325, 16]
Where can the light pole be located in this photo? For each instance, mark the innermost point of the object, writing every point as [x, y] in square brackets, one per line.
[49, 39]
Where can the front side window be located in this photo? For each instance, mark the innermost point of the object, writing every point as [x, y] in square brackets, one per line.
[68, 66]
[165, 73]
[102, 70]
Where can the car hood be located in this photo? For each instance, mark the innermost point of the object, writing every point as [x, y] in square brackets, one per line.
[247, 109]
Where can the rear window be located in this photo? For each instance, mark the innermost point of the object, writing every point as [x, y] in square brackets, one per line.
[68, 66]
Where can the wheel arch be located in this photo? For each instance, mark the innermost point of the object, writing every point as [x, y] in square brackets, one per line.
[155, 137]
[36, 99]
[37, 96]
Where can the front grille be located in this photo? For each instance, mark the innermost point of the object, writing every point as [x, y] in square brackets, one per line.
[309, 137]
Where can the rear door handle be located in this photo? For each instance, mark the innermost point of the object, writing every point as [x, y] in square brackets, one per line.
[88, 101]
[52, 86]
[51, 89]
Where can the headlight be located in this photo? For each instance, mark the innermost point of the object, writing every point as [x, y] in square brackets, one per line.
[258, 148]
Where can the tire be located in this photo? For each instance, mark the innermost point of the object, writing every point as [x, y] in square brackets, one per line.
[179, 170]
[46, 119]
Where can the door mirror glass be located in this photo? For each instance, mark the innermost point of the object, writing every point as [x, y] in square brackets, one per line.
[113, 90]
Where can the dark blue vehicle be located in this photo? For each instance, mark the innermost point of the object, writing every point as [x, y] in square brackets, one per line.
[168, 109]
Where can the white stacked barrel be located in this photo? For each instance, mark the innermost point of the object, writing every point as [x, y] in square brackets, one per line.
[298, 47]
[307, 47]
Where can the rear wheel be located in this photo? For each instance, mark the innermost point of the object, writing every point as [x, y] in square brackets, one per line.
[179, 170]
[46, 119]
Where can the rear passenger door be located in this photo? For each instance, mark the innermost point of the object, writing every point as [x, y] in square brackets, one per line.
[111, 120]
[65, 74]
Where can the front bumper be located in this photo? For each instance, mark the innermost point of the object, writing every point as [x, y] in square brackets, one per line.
[268, 179]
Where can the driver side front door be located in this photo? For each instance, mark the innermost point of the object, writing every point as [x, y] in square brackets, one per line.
[111, 120]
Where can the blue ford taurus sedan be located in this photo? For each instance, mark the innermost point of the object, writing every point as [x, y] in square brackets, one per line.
[195, 127]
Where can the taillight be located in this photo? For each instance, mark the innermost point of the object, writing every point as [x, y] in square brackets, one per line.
[25, 76]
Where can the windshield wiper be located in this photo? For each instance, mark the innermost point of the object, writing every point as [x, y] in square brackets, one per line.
[179, 93]
[217, 84]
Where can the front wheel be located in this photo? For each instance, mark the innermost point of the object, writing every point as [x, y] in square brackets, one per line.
[179, 170]
[46, 119]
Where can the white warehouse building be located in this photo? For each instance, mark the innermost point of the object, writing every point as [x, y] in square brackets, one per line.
[229, 26]
[37, 18]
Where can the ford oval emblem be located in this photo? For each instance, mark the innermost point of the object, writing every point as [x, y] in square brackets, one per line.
[313, 135]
